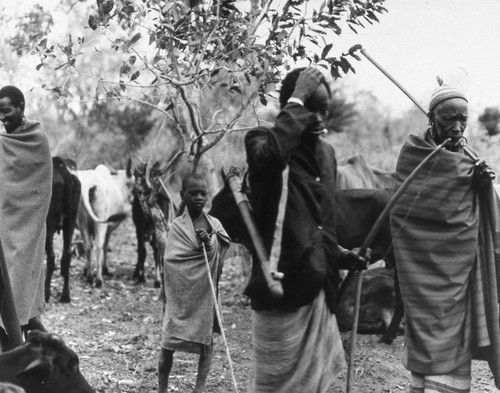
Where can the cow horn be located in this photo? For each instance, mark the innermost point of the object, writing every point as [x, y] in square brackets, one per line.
[111, 169]
[148, 174]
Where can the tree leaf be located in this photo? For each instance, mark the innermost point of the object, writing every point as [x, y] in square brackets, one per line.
[135, 75]
[125, 69]
[134, 39]
[326, 50]
[93, 22]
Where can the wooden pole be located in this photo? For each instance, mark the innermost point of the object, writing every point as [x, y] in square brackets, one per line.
[368, 241]
[273, 278]
[7, 307]
[219, 316]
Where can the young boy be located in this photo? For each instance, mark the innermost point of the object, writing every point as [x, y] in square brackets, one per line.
[189, 320]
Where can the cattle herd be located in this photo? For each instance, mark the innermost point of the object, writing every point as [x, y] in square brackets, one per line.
[96, 201]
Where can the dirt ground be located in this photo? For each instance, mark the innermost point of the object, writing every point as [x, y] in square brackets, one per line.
[116, 332]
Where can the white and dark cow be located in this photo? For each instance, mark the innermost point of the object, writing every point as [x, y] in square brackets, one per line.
[43, 364]
[105, 202]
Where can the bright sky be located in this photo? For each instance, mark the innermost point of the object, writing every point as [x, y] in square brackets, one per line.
[417, 40]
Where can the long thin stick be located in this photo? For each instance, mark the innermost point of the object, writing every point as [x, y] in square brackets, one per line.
[7, 307]
[369, 239]
[386, 211]
[363, 51]
[219, 316]
[415, 101]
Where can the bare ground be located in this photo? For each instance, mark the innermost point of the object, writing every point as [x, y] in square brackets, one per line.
[116, 332]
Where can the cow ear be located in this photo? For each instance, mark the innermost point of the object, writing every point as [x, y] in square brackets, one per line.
[38, 371]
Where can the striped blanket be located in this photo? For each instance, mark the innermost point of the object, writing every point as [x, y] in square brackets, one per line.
[447, 247]
[296, 351]
[25, 192]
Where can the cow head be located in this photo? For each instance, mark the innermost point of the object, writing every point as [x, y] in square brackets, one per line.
[50, 366]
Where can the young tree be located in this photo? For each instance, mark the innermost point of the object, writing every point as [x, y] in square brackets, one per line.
[176, 54]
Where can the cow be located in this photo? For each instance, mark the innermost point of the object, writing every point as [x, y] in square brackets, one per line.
[357, 211]
[355, 172]
[158, 215]
[377, 304]
[106, 200]
[43, 364]
[61, 216]
[144, 198]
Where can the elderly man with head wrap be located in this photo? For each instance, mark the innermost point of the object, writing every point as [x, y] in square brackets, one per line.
[445, 236]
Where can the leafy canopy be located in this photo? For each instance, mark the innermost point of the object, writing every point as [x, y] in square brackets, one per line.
[174, 53]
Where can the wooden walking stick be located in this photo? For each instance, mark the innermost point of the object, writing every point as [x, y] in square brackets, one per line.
[7, 307]
[389, 206]
[269, 270]
[219, 316]
[369, 239]
[363, 51]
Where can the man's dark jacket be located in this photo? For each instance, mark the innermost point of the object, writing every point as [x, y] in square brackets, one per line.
[309, 252]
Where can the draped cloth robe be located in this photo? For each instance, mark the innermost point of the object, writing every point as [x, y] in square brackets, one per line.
[447, 246]
[25, 192]
[190, 308]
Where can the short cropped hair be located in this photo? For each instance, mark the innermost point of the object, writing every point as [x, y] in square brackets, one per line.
[189, 177]
[288, 85]
[16, 96]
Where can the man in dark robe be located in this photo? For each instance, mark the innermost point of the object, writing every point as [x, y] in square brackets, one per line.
[296, 341]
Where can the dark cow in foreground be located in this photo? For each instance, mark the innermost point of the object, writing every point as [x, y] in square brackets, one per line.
[61, 216]
[6, 387]
[357, 211]
[43, 364]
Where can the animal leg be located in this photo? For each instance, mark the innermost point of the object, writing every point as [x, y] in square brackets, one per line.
[100, 252]
[392, 331]
[49, 250]
[105, 269]
[98, 278]
[141, 257]
[68, 230]
[158, 255]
